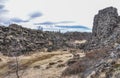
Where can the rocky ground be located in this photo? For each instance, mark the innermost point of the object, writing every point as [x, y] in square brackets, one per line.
[97, 56]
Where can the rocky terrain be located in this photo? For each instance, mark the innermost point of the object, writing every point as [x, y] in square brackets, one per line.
[102, 58]
[16, 40]
[63, 55]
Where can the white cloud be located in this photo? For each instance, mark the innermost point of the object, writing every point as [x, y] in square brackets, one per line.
[80, 11]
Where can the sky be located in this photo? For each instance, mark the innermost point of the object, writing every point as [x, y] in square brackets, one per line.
[53, 14]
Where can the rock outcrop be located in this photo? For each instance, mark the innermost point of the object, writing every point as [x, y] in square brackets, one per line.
[104, 23]
[102, 58]
[106, 29]
[12, 40]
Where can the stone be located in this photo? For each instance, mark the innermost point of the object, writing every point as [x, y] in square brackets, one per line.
[106, 29]
[104, 23]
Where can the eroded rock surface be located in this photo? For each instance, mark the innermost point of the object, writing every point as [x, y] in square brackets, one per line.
[106, 29]
[103, 50]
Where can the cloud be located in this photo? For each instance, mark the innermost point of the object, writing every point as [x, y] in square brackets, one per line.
[2, 10]
[64, 29]
[2, 6]
[35, 15]
[1, 1]
[53, 23]
[63, 26]
[8, 21]
[75, 26]
[66, 22]
[45, 23]
[18, 20]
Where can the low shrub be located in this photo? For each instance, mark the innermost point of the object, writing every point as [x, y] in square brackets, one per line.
[74, 69]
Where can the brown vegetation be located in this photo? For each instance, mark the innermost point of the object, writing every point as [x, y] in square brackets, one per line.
[74, 69]
[97, 53]
[84, 63]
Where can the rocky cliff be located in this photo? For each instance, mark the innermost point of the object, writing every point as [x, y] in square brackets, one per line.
[102, 58]
[106, 29]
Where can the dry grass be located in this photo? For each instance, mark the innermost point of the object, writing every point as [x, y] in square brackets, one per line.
[74, 69]
[27, 61]
[97, 53]
[89, 60]
[41, 59]
[4, 64]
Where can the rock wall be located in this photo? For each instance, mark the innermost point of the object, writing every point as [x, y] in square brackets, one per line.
[106, 29]
[102, 59]
[104, 23]
[105, 35]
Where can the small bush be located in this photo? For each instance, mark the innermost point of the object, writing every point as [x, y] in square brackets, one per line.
[98, 53]
[74, 69]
